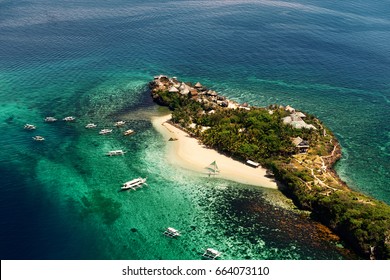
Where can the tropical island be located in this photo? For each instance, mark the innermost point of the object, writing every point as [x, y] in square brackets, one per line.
[294, 147]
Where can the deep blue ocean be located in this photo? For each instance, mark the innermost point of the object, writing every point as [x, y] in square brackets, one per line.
[59, 198]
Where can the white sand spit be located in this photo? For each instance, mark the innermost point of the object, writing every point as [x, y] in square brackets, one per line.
[187, 153]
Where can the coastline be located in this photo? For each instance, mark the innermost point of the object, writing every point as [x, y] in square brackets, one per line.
[302, 160]
[187, 153]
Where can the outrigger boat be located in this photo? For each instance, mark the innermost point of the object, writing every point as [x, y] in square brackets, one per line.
[50, 119]
[29, 126]
[38, 138]
[134, 184]
[120, 123]
[213, 168]
[90, 125]
[211, 254]
[128, 132]
[171, 232]
[69, 119]
[105, 131]
[116, 153]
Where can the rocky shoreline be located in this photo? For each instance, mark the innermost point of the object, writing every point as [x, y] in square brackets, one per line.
[303, 163]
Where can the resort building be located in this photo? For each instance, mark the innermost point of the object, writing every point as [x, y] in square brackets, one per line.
[302, 146]
[295, 119]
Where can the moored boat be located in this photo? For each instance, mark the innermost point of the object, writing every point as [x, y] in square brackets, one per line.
[29, 126]
[50, 119]
[128, 132]
[38, 138]
[134, 184]
[213, 168]
[116, 153]
[171, 232]
[90, 125]
[211, 254]
[69, 119]
[105, 131]
[119, 123]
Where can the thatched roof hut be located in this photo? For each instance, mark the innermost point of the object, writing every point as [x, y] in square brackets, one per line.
[212, 93]
[172, 89]
[198, 85]
[183, 86]
[193, 91]
[301, 145]
[184, 91]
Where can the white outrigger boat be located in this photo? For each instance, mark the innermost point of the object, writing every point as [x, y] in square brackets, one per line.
[69, 119]
[211, 254]
[128, 132]
[38, 138]
[119, 123]
[50, 119]
[134, 184]
[91, 125]
[116, 153]
[29, 126]
[171, 232]
[105, 131]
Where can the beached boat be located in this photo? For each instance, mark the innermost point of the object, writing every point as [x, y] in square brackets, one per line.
[252, 163]
[128, 132]
[134, 184]
[105, 131]
[50, 119]
[38, 138]
[211, 254]
[90, 125]
[213, 168]
[116, 153]
[171, 232]
[69, 119]
[119, 123]
[29, 126]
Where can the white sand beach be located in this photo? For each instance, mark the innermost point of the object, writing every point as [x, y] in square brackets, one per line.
[189, 154]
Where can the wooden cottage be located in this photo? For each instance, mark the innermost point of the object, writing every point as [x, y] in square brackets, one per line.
[302, 146]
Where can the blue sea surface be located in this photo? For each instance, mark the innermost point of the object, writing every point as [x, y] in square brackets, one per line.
[59, 198]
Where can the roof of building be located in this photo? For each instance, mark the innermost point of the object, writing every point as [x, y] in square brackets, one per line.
[183, 86]
[287, 120]
[173, 89]
[198, 85]
[185, 91]
[193, 91]
[299, 142]
[300, 114]
[290, 109]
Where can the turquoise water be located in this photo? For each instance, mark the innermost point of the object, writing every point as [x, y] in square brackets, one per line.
[93, 59]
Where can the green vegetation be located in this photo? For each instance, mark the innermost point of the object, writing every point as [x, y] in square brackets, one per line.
[259, 134]
[255, 134]
[363, 222]
[246, 134]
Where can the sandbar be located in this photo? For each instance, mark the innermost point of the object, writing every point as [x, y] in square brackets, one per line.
[189, 154]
